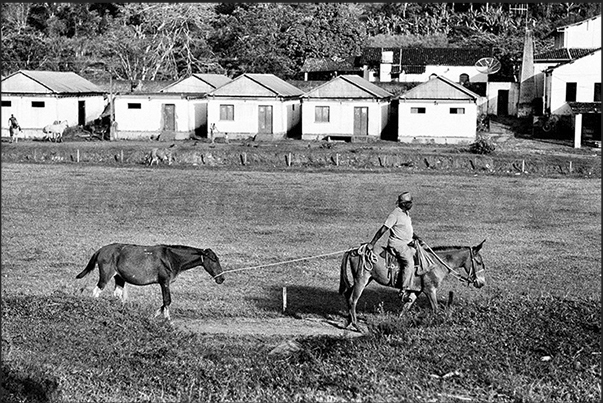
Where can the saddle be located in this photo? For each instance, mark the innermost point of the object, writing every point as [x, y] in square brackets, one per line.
[422, 264]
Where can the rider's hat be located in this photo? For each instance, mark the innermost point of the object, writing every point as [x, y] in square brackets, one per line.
[405, 197]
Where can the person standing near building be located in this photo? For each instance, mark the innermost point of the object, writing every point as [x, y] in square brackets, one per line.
[13, 128]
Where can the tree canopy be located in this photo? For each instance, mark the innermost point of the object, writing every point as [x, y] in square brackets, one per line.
[153, 41]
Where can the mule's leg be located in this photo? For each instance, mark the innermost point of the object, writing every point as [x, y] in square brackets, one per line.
[359, 286]
[433, 300]
[105, 273]
[167, 300]
[120, 288]
[410, 298]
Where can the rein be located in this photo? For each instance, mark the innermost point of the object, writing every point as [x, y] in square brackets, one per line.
[454, 273]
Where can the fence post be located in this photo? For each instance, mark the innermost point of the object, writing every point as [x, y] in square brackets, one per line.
[244, 158]
[284, 299]
[121, 156]
[523, 166]
[570, 167]
[336, 159]
[77, 158]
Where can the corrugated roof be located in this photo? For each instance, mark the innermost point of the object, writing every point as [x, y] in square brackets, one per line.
[61, 82]
[198, 82]
[439, 87]
[585, 107]
[564, 27]
[562, 54]
[257, 85]
[348, 86]
[590, 52]
[215, 80]
[275, 84]
[427, 56]
[127, 86]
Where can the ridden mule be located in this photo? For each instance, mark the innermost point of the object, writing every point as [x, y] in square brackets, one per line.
[144, 265]
[365, 266]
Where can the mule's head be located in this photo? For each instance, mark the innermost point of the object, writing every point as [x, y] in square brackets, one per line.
[477, 268]
[212, 265]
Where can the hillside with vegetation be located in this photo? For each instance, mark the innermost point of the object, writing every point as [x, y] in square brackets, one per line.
[167, 41]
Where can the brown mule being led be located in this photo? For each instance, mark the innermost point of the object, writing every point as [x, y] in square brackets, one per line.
[144, 265]
[363, 268]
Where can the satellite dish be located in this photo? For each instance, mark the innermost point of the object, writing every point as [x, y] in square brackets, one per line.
[487, 65]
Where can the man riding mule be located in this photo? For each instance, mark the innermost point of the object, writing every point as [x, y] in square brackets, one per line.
[400, 242]
[360, 266]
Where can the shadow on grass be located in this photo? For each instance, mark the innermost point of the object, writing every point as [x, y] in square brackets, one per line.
[304, 300]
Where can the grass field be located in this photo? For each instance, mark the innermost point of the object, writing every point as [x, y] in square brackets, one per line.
[542, 251]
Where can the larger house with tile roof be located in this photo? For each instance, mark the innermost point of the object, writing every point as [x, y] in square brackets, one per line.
[567, 81]
[39, 98]
[418, 64]
[571, 42]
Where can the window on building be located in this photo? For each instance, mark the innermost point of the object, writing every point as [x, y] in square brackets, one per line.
[7, 103]
[570, 92]
[38, 104]
[134, 106]
[597, 97]
[457, 111]
[321, 114]
[417, 110]
[226, 112]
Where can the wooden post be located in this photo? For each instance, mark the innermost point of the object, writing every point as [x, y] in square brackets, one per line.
[336, 159]
[244, 158]
[523, 166]
[77, 158]
[121, 156]
[288, 159]
[571, 168]
[284, 299]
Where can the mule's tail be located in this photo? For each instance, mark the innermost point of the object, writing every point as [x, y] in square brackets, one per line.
[91, 265]
[344, 282]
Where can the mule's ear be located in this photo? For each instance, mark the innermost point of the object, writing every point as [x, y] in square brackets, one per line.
[478, 247]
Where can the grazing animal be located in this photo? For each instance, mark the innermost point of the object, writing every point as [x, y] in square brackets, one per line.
[365, 268]
[144, 265]
[164, 155]
[55, 131]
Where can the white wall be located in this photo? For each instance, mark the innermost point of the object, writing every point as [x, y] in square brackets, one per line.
[341, 115]
[33, 120]
[583, 35]
[437, 125]
[452, 73]
[492, 97]
[585, 72]
[148, 120]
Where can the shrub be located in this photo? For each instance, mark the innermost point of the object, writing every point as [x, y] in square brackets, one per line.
[482, 145]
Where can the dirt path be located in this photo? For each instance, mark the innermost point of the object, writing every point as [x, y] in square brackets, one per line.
[265, 327]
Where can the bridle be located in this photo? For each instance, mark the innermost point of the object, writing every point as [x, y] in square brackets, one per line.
[472, 275]
[472, 272]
